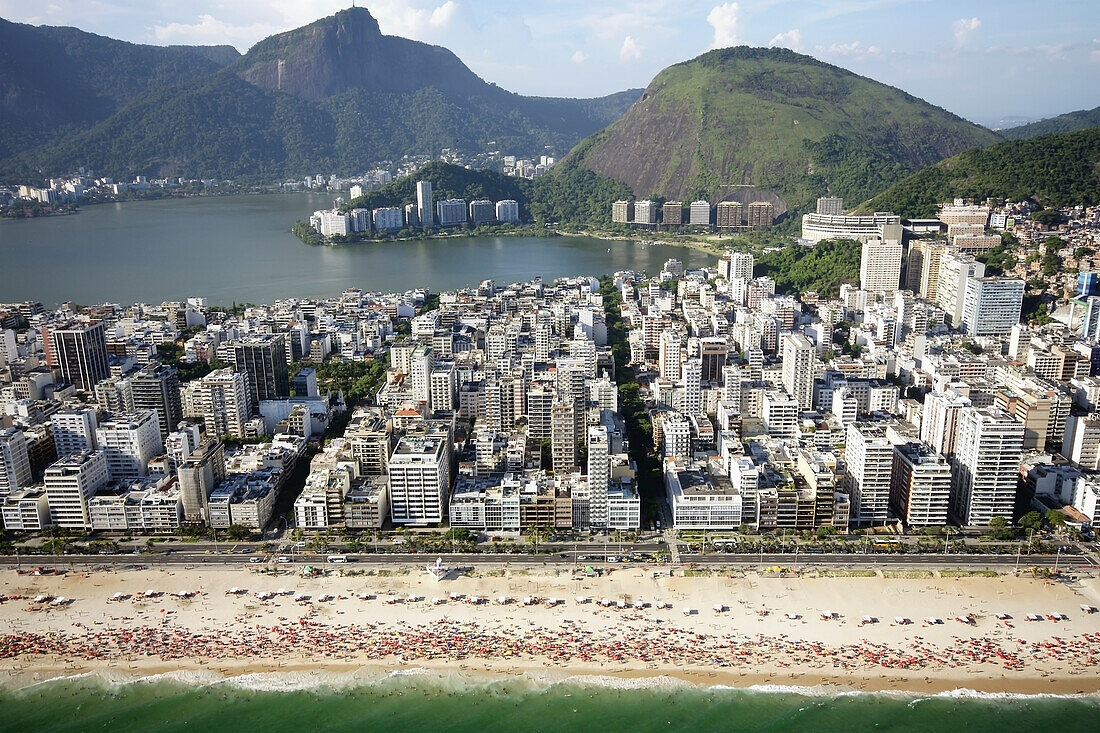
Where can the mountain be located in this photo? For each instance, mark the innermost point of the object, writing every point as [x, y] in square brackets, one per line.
[1068, 122]
[57, 80]
[1055, 170]
[334, 95]
[752, 123]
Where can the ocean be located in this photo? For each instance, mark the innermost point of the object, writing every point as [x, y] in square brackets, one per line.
[412, 702]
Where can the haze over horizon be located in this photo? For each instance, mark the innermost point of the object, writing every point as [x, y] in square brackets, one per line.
[982, 60]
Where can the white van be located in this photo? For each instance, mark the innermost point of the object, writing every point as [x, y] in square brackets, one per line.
[337, 558]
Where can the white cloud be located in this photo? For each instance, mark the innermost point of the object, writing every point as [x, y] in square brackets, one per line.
[964, 28]
[630, 50]
[579, 57]
[396, 18]
[724, 19]
[210, 30]
[855, 50]
[791, 39]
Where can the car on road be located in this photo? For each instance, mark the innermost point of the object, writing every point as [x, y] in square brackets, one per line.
[255, 559]
[282, 559]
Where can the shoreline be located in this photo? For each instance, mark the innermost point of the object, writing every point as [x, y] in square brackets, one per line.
[737, 631]
[322, 673]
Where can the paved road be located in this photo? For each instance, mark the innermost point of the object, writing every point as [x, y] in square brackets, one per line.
[722, 559]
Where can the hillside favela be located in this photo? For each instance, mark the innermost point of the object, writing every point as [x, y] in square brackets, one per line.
[711, 380]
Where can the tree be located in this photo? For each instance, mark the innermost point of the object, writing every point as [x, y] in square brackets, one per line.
[238, 532]
[1055, 518]
[1031, 520]
[999, 529]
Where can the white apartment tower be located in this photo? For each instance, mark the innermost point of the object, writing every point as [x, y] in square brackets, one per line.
[599, 475]
[70, 483]
[419, 480]
[129, 442]
[798, 369]
[940, 419]
[225, 403]
[73, 430]
[880, 266]
[955, 270]
[424, 206]
[991, 305]
[669, 355]
[870, 457]
[986, 466]
[15, 466]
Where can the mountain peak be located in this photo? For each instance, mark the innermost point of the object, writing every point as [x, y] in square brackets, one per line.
[347, 51]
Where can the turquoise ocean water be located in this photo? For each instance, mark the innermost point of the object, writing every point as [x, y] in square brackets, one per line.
[415, 703]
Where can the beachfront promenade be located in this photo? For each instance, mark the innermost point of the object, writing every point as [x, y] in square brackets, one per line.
[1065, 561]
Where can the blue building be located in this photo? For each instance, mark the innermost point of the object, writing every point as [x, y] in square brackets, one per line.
[1088, 283]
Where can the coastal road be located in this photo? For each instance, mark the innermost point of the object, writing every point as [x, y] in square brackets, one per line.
[802, 560]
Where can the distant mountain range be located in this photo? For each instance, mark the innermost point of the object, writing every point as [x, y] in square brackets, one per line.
[1055, 170]
[733, 124]
[1069, 122]
[334, 96]
[754, 123]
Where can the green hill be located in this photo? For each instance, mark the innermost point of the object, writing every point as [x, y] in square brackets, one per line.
[1069, 122]
[1055, 170]
[777, 121]
[335, 95]
[57, 80]
[450, 182]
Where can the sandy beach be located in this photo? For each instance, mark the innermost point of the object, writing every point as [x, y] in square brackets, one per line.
[746, 629]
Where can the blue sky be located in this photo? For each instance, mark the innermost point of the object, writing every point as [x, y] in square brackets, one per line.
[982, 60]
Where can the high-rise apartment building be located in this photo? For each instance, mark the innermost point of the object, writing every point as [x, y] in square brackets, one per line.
[157, 387]
[986, 467]
[73, 430]
[15, 465]
[115, 395]
[699, 214]
[224, 401]
[482, 211]
[129, 442]
[508, 211]
[921, 485]
[939, 421]
[955, 270]
[262, 359]
[991, 305]
[798, 369]
[599, 475]
[830, 206]
[425, 209]
[563, 433]
[199, 475]
[728, 214]
[622, 212]
[870, 457]
[760, 214]
[77, 353]
[672, 213]
[419, 480]
[880, 266]
[451, 212]
[70, 483]
[645, 212]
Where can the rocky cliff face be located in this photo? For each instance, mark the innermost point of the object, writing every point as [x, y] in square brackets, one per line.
[347, 51]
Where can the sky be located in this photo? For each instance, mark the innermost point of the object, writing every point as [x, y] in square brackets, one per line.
[983, 60]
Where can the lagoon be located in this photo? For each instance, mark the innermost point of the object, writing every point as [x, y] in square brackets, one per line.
[240, 249]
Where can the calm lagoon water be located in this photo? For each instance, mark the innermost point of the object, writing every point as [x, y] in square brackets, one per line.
[239, 248]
